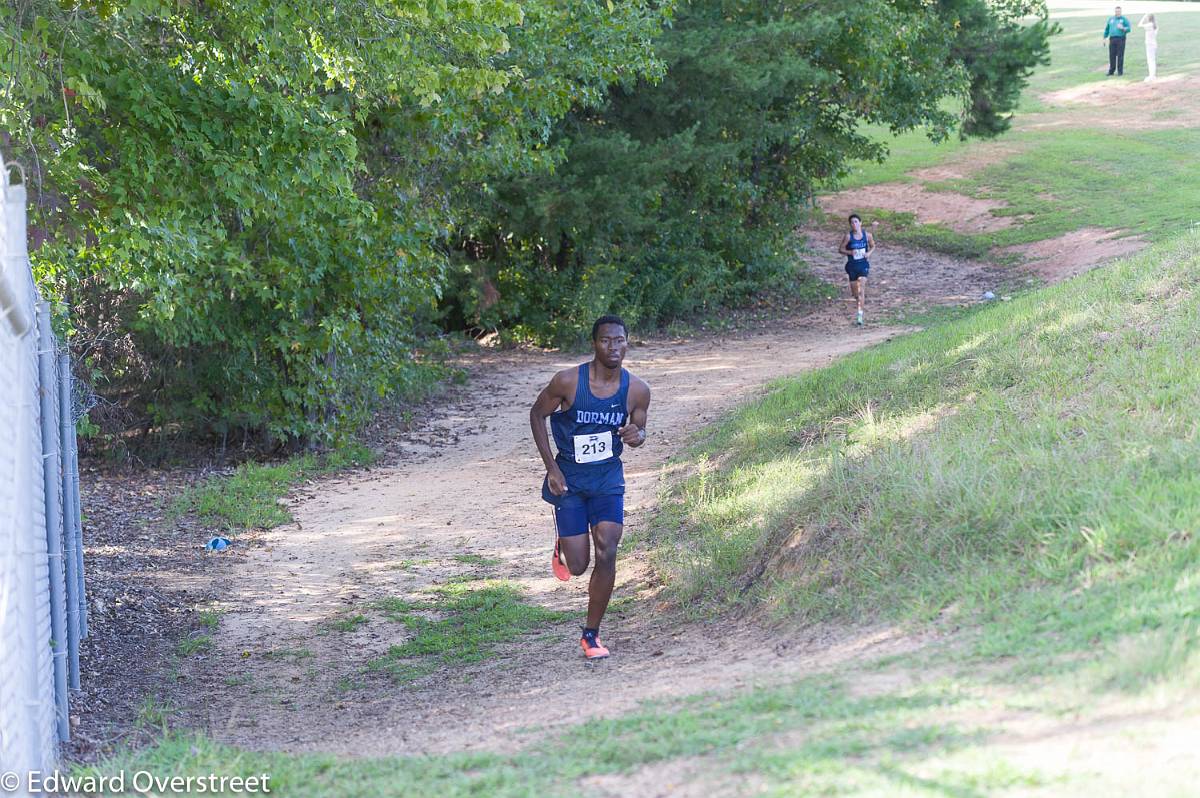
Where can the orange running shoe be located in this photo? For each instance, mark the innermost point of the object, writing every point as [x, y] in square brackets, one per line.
[558, 566]
[591, 645]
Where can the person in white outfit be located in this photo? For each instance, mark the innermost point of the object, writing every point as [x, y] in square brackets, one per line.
[1151, 25]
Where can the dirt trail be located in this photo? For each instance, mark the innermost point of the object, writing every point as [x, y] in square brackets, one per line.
[467, 483]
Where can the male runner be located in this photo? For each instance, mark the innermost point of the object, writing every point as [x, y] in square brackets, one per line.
[857, 246]
[595, 410]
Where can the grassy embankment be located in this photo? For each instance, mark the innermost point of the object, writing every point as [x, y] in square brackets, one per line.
[1032, 467]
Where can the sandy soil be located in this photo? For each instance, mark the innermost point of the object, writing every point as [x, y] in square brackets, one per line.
[1076, 252]
[1125, 105]
[467, 483]
[969, 161]
[903, 279]
[1050, 260]
[964, 214]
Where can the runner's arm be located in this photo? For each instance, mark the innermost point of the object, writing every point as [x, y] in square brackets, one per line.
[844, 249]
[552, 397]
[870, 244]
[634, 432]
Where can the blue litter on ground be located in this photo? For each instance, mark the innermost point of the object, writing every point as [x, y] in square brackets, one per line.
[218, 544]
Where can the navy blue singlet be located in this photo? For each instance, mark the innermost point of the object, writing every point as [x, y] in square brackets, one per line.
[585, 434]
[857, 244]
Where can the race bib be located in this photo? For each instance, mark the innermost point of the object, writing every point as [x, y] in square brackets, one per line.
[859, 254]
[593, 448]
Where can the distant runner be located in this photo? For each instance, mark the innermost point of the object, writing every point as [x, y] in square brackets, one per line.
[595, 410]
[857, 246]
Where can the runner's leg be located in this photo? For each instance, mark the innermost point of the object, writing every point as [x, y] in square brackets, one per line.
[576, 551]
[606, 536]
[861, 293]
[571, 526]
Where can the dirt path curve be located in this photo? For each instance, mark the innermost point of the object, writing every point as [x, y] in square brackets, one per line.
[467, 483]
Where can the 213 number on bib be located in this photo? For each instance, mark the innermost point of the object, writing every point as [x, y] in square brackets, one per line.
[593, 448]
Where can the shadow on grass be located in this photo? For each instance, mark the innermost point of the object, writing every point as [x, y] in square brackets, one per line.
[810, 734]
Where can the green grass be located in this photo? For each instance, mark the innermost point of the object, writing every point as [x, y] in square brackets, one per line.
[155, 714]
[1095, 178]
[903, 227]
[471, 621]
[1079, 58]
[194, 645]
[347, 684]
[249, 497]
[906, 152]
[408, 565]
[395, 609]
[917, 316]
[476, 559]
[1059, 169]
[1067, 179]
[286, 654]
[348, 623]
[210, 619]
[854, 745]
[1031, 467]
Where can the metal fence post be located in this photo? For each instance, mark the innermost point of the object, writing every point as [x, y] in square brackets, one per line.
[77, 515]
[52, 478]
[66, 423]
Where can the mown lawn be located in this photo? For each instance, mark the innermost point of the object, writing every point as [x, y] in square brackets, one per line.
[1063, 167]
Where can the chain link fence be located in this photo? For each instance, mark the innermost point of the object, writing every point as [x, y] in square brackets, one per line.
[43, 611]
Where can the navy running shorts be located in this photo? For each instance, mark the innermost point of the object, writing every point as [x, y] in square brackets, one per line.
[576, 513]
[595, 493]
[857, 268]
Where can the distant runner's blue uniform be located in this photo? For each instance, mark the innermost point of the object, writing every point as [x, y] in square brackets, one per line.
[857, 264]
[589, 454]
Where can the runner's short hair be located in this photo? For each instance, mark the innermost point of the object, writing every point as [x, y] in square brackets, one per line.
[853, 216]
[608, 319]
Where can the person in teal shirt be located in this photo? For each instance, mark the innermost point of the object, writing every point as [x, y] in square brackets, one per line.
[1115, 31]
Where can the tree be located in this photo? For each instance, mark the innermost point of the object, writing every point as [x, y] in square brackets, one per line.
[682, 194]
[243, 201]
